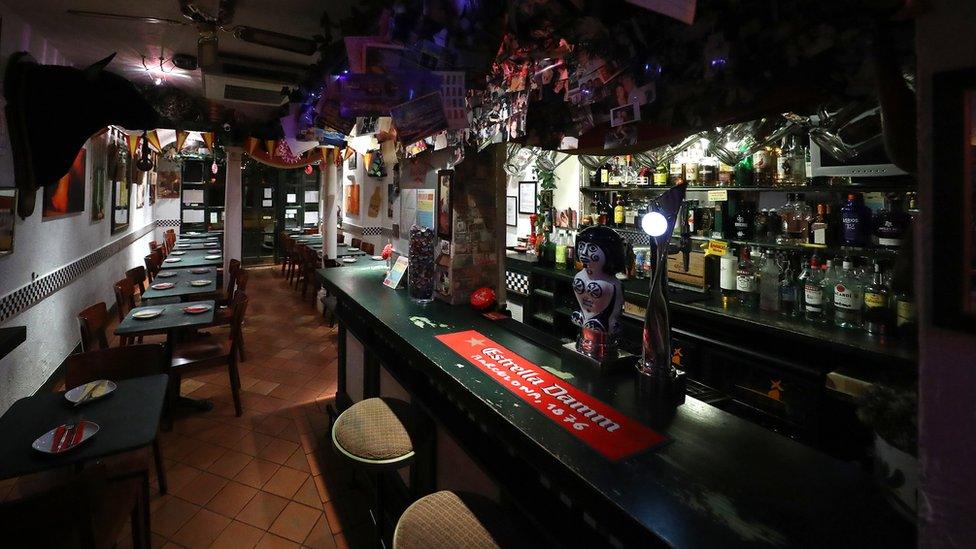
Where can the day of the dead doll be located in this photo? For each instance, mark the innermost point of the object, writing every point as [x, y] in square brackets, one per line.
[601, 251]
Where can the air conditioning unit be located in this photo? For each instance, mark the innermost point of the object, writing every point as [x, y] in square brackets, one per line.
[250, 80]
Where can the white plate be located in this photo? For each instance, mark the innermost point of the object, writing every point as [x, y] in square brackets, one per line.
[199, 283]
[377, 258]
[146, 314]
[177, 253]
[212, 245]
[200, 271]
[197, 309]
[107, 386]
[163, 286]
[342, 244]
[191, 234]
[166, 274]
[351, 249]
[172, 260]
[43, 442]
[348, 259]
[211, 257]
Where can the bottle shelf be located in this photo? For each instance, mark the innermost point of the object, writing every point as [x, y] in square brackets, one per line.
[791, 189]
[833, 250]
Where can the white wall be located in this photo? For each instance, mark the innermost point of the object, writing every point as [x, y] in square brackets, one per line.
[565, 196]
[41, 247]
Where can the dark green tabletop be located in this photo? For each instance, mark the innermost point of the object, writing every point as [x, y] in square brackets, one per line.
[181, 281]
[197, 245]
[172, 318]
[720, 481]
[218, 234]
[193, 258]
[128, 419]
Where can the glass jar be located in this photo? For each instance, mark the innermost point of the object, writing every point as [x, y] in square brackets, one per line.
[420, 270]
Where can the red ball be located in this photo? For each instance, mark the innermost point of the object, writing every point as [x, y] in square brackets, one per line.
[483, 298]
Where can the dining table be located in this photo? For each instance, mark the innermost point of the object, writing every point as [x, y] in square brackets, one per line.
[185, 259]
[192, 244]
[200, 236]
[182, 283]
[128, 419]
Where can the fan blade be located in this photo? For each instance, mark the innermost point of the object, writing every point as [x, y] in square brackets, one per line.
[123, 17]
[277, 40]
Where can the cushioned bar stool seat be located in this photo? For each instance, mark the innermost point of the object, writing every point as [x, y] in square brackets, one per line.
[452, 520]
[375, 433]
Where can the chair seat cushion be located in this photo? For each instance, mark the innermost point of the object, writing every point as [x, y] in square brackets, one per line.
[200, 351]
[451, 520]
[375, 431]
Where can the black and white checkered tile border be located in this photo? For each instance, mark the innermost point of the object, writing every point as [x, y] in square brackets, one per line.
[638, 238]
[373, 231]
[517, 282]
[168, 222]
[31, 294]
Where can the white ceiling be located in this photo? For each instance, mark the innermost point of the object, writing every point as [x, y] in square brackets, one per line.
[84, 40]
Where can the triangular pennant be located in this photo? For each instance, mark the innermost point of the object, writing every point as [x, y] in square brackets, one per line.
[251, 145]
[269, 145]
[153, 139]
[132, 140]
[181, 136]
[208, 139]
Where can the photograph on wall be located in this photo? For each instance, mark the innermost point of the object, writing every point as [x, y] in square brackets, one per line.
[624, 115]
[141, 189]
[68, 195]
[153, 178]
[526, 197]
[511, 211]
[168, 184]
[8, 205]
[120, 205]
[417, 119]
[445, 182]
[98, 194]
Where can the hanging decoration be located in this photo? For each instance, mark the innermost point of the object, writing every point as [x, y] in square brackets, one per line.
[181, 136]
[280, 156]
[145, 161]
[132, 141]
[153, 137]
[208, 139]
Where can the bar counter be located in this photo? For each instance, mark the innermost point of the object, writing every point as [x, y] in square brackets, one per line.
[718, 481]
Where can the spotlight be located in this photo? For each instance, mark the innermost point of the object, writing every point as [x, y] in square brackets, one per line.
[654, 223]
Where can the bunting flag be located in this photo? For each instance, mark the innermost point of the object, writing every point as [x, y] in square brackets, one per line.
[251, 145]
[348, 153]
[181, 139]
[153, 139]
[132, 139]
[269, 154]
[270, 145]
[208, 139]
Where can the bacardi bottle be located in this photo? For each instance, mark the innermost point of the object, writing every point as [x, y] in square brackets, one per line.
[813, 298]
[848, 298]
[877, 312]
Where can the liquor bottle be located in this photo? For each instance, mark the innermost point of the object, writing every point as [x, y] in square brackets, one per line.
[855, 219]
[746, 285]
[819, 226]
[775, 224]
[728, 269]
[719, 217]
[709, 171]
[891, 223]
[560, 249]
[848, 298]
[615, 176]
[676, 172]
[745, 173]
[877, 310]
[789, 292]
[660, 176]
[619, 212]
[769, 281]
[906, 321]
[691, 172]
[605, 175]
[761, 225]
[608, 211]
[795, 216]
[791, 170]
[692, 207]
[743, 224]
[630, 214]
[813, 297]
[830, 274]
[631, 259]
[764, 162]
[640, 257]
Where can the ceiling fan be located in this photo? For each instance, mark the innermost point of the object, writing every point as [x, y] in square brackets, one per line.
[209, 26]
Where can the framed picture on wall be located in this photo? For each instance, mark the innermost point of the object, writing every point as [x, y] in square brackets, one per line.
[98, 194]
[351, 163]
[445, 213]
[8, 207]
[511, 211]
[526, 197]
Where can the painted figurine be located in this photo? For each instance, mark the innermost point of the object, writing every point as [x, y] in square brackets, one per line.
[601, 298]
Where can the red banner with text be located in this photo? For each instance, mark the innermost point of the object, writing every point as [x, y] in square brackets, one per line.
[594, 422]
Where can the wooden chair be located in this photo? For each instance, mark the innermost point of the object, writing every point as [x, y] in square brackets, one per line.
[116, 364]
[86, 511]
[94, 323]
[224, 315]
[207, 353]
[310, 265]
[138, 277]
[285, 244]
[125, 301]
[340, 238]
[158, 257]
[151, 268]
[233, 269]
[368, 248]
[153, 245]
[357, 242]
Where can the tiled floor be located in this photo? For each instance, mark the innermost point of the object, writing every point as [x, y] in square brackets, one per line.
[268, 478]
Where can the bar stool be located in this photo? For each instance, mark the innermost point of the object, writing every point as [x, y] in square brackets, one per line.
[452, 519]
[376, 435]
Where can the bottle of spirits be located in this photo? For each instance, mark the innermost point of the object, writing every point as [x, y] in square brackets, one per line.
[728, 268]
[631, 259]
[906, 321]
[891, 223]
[813, 297]
[848, 299]
[877, 310]
[761, 225]
[764, 163]
[819, 227]
[769, 282]
[560, 249]
[661, 176]
[619, 212]
[855, 219]
[743, 224]
[795, 215]
[830, 274]
[676, 172]
[746, 283]
[719, 217]
[789, 292]
[745, 173]
[630, 214]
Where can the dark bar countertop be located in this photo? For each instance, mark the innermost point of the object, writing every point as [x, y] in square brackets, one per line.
[719, 481]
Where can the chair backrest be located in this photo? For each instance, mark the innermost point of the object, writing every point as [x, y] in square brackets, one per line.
[150, 267]
[310, 231]
[138, 277]
[356, 242]
[242, 276]
[115, 364]
[153, 245]
[367, 247]
[124, 297]
[240, 308]
[158, 257]
[94, 325]
[340, 238]
[232, 269]
[61, 515]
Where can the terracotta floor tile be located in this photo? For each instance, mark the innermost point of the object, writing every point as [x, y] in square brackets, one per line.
[171, 516]
[203, 454]
[295, 522]
[257, 472]
[230, 464]
[272, 425]
[308, 494]
[284, 391]
[252, 443]
[297, 460]
[238, 535]
[287, 353]
[262, 510]
[285, 482]
[224, 435]
[204, 487]
[271, 541]
[179, 475]
[320, 537]
[278, 450]
[231, 499]
[201, 530]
